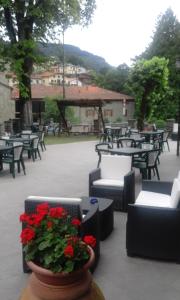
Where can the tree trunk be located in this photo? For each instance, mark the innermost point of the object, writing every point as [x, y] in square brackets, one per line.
[142, 113]
[25, 94]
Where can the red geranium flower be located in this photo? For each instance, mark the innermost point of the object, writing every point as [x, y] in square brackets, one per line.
[57, 212]
[27, 235]
[76, 222]
[90, 240]
[24, 218]
[34, 219]
[43, 208]
[69, 251]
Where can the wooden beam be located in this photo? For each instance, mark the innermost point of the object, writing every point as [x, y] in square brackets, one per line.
[61, 108]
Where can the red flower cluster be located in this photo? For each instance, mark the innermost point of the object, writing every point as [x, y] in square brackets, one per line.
[27, 235]
[57, 212]
[42, 209]
[69, 251]
[76, 222]
[52, 233]
[90, 240]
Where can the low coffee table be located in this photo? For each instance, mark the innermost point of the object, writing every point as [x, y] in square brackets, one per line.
[106, 214]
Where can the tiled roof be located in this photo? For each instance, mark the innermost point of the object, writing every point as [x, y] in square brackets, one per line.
[74, 93]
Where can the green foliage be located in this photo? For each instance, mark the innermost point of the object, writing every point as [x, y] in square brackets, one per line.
[148, 81]
[26, 22]
[73, 55]
[70, 115]
[160, 124]
[114, 79]
[166, 43]
[51, 110]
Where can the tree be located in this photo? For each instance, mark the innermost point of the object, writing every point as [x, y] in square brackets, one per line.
[148, 80]
[166, 43]
[24, 22]
[114, 79]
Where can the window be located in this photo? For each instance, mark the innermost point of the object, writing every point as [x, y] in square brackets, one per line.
[89, 113]
[108, 112]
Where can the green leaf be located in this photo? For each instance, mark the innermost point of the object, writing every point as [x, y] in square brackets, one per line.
[48, 259]
[43, 245]
[69, 266]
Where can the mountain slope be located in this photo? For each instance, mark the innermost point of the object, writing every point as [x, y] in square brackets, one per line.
[74, 55]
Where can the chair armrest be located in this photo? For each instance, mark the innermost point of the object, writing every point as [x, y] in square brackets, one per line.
[153, 231]
[163, 187]
[94, 175]
[129, 189]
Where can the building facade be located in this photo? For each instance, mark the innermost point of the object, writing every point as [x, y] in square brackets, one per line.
[7, 105]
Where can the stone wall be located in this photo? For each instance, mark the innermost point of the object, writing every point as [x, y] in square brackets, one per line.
[7, 106]
[112, 112]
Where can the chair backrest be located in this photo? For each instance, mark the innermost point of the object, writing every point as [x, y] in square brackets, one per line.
[17, 150]
[72, 205]
[148, 146]
[126, 142]
[152, 158]
[165, 136]
[2, 142]
[175, 193]
[26, 132]
[35, 142]
[115, 166]
[123, 131]
[101, 146]
[25, 136]
[175, 128]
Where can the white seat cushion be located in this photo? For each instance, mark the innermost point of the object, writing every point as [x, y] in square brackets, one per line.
[161, 200]
[109, 182]
[178, 177]
[153, 199]
[175, 193]
[175, 128]
[115, 166]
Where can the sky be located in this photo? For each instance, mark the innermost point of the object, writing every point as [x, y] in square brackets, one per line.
[120, 30]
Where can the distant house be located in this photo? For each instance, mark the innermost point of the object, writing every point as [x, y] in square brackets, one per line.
[85, 100]
[54, 76]
[7, 106]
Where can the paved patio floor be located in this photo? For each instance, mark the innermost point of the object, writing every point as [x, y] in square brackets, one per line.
[63, 171]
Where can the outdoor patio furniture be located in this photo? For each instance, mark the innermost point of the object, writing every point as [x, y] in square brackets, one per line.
[89, 218]
[106, 214]
[174, 134]
[153, 222]
[14, 156]
[148, 164]
[99, 148]
[33, 147]
[2, 142]
[126, 142]
[165, 137]
[114, 180]
[151, 135]
[41, 134]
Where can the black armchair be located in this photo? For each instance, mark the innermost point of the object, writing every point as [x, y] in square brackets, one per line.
[114, 180]
[153, 230]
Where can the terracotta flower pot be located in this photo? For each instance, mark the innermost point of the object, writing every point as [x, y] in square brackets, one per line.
[46, 285]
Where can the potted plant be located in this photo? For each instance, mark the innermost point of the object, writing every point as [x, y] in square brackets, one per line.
[57, 255]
